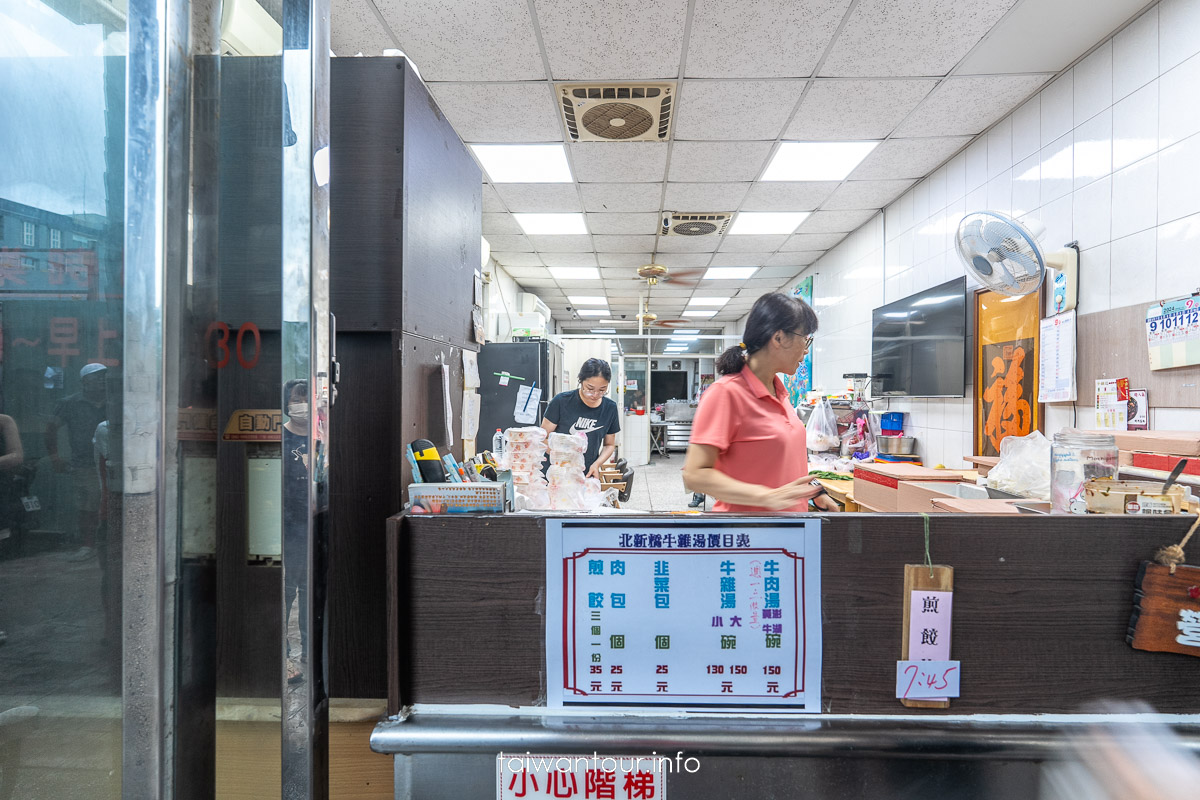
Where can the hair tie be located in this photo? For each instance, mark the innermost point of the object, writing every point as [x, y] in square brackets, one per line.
[742, 345]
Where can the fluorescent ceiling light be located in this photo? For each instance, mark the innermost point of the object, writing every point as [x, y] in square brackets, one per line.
[693, 312]
[816, 161]
[524, 163]
[684, 338]
[575, 273]
[592, 312]
[708, 301]
[766, 222]
[588, 300]
[605, 330]
[550, 224]
[729, 273]
[691, 331]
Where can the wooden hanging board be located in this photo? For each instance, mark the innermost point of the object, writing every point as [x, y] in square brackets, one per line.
[1166, 610]
[916, 577]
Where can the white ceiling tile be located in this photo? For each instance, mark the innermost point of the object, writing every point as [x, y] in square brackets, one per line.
[684, 260]
[719, 288]
[686, 244]
[907, 158]
[645, 223]
[851, 110]
[537, 283]
[835, 221]
[499, 112]
[762, 286]
[787, 262]
[354, 27]
[776, 273]
[740, 259]
[624, 244]
[718, 161]
[761, 38]
[491, 200]
[865, 194]
[622, 260]
[621, 197]
[561, 243]
[812, 241]
[632, 162]
[606, 41]
[704, 197]
[968, 105]
[539, 196]
[752, 244]
[520, 273]
[475, 40]
[787, 195]
[578, 287]
[570, 259]
[736, 110]
[516, 259]
[499, 223]
[910, 37]
[510, 243]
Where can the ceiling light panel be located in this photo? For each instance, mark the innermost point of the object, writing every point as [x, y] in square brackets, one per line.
[575, 273]
[816, 161]
[708, 301]
[729, 273]
[551, 224]
[698, 314]
[524, 163]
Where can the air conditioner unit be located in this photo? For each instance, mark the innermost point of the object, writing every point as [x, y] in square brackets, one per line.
[530, 303]
[528, 323]
[678, 223]
[596, 112]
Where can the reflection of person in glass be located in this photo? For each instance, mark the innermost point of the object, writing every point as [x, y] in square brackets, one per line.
[295, 513]
[80, 413]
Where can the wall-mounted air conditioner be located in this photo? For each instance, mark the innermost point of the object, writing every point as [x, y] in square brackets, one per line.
[530, 303]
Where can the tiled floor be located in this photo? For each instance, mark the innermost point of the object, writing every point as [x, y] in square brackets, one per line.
[658, 486]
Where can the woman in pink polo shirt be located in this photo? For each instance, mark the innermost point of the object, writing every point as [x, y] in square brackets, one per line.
[748, 448]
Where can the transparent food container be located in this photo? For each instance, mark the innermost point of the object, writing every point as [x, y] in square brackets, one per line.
[1076, 457]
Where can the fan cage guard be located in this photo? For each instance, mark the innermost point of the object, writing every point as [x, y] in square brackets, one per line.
[970, 256]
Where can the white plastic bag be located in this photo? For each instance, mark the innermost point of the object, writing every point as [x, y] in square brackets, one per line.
[1024, 466]
[822, 427]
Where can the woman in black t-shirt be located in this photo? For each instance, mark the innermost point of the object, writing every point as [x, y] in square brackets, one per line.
[587, 410]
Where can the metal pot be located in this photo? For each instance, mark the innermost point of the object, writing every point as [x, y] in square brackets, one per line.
[896, 445]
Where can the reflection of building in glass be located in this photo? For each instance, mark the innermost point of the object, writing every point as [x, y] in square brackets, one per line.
[43, 254]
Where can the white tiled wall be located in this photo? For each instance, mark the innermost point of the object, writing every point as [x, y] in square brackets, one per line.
[1107, 154]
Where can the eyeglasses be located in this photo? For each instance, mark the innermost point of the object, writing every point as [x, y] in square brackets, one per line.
[593, 390]
[808, 340]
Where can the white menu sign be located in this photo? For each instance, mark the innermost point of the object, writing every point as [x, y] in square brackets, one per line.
[695, 613]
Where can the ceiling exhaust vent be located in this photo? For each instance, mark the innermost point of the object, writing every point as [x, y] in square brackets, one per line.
[678, 223]
[617, 112]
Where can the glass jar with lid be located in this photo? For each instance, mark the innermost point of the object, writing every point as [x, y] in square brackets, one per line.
[1076, 457]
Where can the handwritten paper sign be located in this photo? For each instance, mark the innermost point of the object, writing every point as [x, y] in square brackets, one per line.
[926, 679]
[1056, 360]
[684, 613]
[526, 408]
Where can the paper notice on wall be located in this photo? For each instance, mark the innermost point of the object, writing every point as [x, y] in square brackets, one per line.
[447, 406]
[526, 409]
[1056, 367]
[1112, 404]
[470, 369]
[470, 415]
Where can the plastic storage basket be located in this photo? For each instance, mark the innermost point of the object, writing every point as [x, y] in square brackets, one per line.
[458, 497]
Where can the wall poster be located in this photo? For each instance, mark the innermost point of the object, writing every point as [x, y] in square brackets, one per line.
[801, 383]
[685, 613]
[1007, 331]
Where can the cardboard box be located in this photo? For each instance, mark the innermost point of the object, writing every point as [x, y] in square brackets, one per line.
[877, 485]
[959, 506]
[1165, 463]
[1175, 443]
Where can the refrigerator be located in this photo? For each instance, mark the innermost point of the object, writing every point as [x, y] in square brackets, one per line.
[537, 360]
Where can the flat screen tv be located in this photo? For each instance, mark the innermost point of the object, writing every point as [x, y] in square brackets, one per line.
[919, 344]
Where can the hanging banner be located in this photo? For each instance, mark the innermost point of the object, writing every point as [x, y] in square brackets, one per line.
[800, 384]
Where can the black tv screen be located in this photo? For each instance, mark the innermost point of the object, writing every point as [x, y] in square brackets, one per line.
[919, 344]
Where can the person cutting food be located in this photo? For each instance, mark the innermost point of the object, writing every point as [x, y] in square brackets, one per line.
[748, 447]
